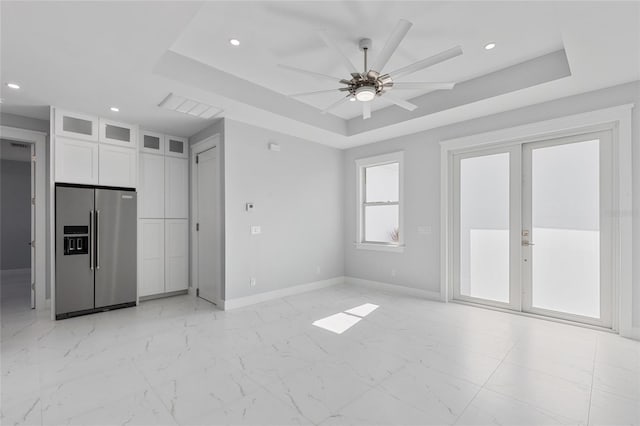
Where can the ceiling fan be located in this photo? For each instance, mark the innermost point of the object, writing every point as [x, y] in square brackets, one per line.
[371, 83]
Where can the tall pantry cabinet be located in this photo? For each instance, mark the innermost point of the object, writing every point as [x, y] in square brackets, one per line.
[163, 214]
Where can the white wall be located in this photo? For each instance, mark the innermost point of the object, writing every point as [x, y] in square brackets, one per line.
[419, 265]
[298, 196]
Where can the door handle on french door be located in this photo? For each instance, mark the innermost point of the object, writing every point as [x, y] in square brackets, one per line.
[527, 243]
[91, 239]
[97, 233]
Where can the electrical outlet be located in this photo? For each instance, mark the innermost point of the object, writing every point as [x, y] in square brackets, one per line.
[424, 230]
[393, 272]
[252, 282]
[317, 270]
[255, 230]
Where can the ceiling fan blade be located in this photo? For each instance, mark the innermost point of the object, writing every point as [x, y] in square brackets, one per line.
[310, 73]
[401, 29]
[336, 104]
[427, 62]
[366, 110]
[400, 102]
[426, 86]
[296, 95]
[332, 44]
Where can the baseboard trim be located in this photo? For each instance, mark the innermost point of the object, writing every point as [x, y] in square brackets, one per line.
[395, 289]
[631, 333]
[7, 273]
[162, 295]
[240, 302]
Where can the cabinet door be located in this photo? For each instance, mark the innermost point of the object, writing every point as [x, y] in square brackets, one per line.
[118, 166]
[116, 133]
[77, 126]
[76, 161]
[151, 142]
[176, 254]
[176, 178]
[151, 240]
[151, 186]
[176, 147]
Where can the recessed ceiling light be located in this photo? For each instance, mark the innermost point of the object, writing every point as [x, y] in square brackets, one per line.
[115, 109]
[234, 42]
[352, 99]
[489, 46]
[13, 86]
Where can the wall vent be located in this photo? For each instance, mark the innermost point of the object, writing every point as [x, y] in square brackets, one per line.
[20, 145]
[189, 106]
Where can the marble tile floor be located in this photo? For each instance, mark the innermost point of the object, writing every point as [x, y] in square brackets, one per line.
[179, 361]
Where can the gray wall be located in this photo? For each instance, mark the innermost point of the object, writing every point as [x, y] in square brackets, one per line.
[298, 196]
[15, 219]
[419, 265]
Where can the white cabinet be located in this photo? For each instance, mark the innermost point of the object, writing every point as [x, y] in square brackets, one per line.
[176, 254]
[151, 142]
[176, 187]
[116, 133]
[152, 258]
[176, 147]
[76, 161]
[117, 166]
[77, 126]
[151, 187]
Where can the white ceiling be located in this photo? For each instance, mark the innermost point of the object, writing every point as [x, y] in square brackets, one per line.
[90, 56]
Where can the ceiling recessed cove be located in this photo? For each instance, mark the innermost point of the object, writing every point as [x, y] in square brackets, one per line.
[189, 106]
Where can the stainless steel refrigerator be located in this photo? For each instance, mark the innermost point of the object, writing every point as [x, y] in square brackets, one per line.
[95, 249]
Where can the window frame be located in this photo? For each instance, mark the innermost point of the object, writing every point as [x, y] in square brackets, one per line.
[361, 165]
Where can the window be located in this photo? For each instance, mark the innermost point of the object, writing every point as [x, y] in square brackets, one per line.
[380, 202]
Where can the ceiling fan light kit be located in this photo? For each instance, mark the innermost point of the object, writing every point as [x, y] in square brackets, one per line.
[372, 83]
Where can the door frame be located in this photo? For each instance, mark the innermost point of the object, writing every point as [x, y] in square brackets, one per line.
[39, 141]
[197, 148]
[618, 121]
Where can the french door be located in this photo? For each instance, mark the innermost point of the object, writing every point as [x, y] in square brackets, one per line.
[532, 228]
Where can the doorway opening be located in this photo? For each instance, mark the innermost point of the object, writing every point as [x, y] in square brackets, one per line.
[17, 225]
[207, 248]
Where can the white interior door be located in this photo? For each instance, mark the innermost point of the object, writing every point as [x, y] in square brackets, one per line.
[533, 228]
[487, 218]
[208, 236]
[566, 234]
[32, 282]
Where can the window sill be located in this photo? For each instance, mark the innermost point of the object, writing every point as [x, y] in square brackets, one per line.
[380, 247]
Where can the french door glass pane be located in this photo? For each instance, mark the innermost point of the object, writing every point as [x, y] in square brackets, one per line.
[484, 227]
[382, 183]
[381, 223]
[566, 228]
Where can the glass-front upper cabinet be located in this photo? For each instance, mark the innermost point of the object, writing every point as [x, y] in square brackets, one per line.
[176, 147]
[75, 125]
[117, 133]
[151, 142]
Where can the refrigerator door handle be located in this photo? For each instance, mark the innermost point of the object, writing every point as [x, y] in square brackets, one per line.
[97, 233]
[91, 237]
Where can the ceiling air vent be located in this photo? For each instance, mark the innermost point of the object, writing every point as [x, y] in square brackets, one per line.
[189, 106]
[20, 145]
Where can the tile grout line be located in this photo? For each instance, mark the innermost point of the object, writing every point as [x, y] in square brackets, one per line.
[485, 382]
[593, 370]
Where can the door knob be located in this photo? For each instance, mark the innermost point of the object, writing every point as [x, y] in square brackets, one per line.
[527, 243]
